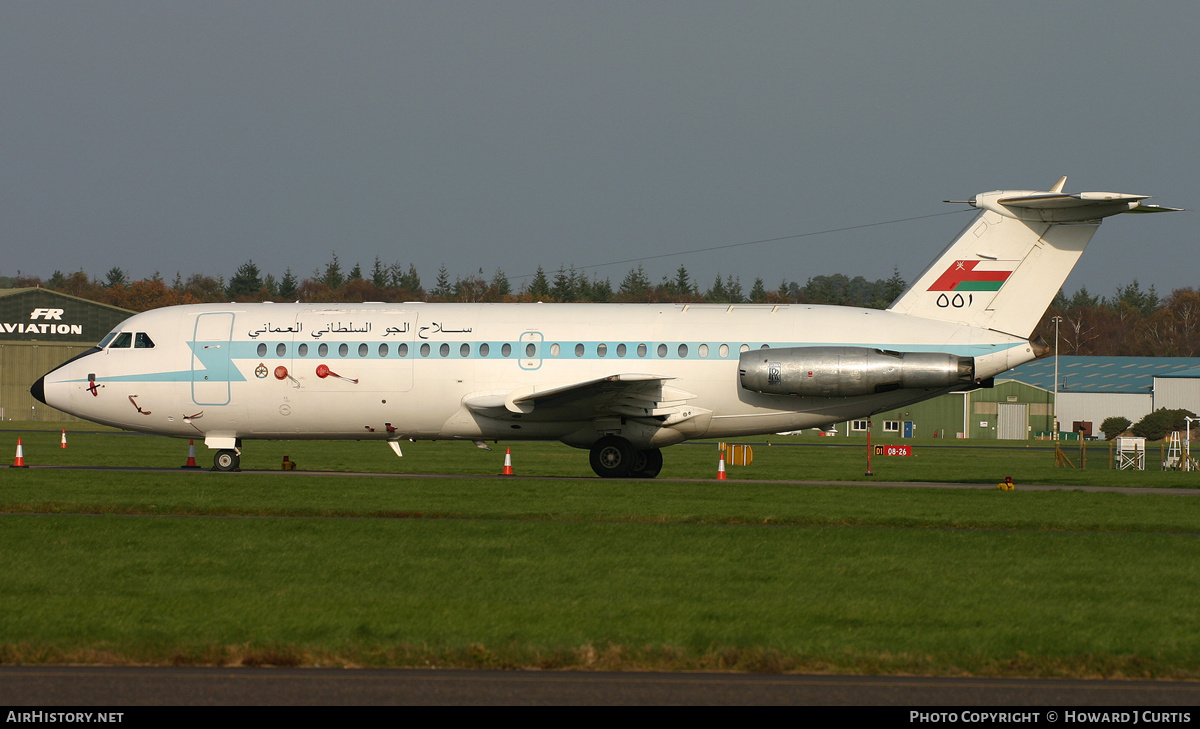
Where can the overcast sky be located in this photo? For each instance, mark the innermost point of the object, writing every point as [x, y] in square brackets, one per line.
[194, 136]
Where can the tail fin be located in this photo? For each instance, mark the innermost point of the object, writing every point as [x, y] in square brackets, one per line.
[1004, 268]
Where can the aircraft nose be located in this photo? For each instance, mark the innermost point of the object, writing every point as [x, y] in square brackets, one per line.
[39, 390]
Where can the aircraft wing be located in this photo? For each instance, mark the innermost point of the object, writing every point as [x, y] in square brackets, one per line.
[630, 395]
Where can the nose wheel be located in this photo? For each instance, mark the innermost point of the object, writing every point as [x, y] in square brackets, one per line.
[227, 460]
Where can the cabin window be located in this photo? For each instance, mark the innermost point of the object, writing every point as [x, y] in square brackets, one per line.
[343, 349]
[262, 349]
[402, 350]
[662, 350]
[703, 350]
[444, 350]
[424, 350]
[601, 349]
[464, 350]
[383, 350]
[683, 350]
[620, 350]
[323, 350]
[860, 425]
[141, 340]
[302, 350]
[724, 351]
[484, 349]
[578, 350]
[123, 340]
[641, 350]
[530, 349]
[280, 349]
[363, 349]
[555, 350]
[765, 346]
[506, 350]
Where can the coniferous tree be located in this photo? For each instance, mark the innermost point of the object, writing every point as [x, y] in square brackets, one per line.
[682, 285]
[565, 286]
[114, 277]
[379, 274]
[411, 282]
[288, 285]
[441, 290]
[1082, 298]
[500, 285]
[894, 286]
[246, 281]
[758, 292]
[717, 293]
[635, 287]
[600, 291]
[333, 277]
[733, 285]
[539, 287]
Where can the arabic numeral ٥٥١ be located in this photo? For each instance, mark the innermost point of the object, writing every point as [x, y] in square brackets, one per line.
[957, 302]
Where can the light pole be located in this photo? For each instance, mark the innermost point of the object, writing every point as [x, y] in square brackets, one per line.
[1054, 407]
[1187, 444]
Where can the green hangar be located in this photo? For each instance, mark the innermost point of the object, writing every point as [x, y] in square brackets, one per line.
[39, 330]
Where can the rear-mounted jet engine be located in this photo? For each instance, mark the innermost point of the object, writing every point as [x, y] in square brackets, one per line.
[849, 371]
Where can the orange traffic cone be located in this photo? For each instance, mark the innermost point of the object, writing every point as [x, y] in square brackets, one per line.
[507, 463]
[64, 438]
[20, 460]
[191, 460]
[721, 467]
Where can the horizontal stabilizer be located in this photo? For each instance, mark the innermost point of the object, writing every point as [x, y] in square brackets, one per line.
[1156, 209]
[1055, 201]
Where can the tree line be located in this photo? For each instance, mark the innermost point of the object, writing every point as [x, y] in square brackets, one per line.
[1132, 322]
[396, 282]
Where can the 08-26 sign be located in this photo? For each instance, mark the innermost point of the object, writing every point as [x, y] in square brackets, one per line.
[893, 450]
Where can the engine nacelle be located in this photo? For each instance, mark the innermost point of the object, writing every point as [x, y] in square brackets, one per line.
[849, 371]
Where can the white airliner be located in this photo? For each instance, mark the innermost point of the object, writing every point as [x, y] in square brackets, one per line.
[623, 380]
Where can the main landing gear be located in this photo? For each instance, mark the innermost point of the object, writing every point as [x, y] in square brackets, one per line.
[614, 457]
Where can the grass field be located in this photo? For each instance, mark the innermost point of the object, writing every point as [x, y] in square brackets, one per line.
[300, 568]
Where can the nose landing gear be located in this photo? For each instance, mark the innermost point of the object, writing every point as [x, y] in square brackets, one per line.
[227, 460]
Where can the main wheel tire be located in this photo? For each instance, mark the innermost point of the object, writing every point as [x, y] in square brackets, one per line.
[226, 460]
[612, 457]
[647, 464]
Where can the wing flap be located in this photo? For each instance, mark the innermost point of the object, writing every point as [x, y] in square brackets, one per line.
[634, 395]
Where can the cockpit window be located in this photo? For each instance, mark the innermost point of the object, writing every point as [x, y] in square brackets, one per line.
[123, 340]
[104, 342]
[142, 340]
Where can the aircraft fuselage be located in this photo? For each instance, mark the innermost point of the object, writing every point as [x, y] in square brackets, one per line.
[227, 372]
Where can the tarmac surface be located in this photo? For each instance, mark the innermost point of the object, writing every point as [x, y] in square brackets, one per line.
[872, 483]
[49, 686]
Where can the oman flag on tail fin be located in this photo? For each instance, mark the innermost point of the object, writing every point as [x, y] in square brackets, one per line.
[974, 276]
